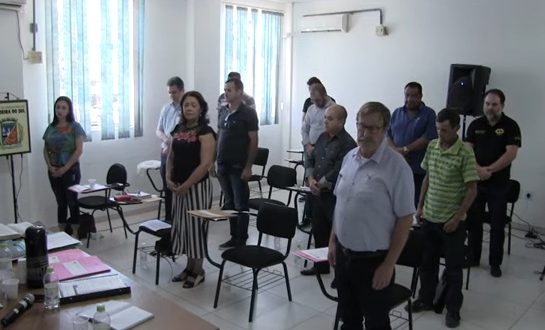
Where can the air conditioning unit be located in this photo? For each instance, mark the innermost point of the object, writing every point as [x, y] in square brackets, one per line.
[12, 3]
[324, 23]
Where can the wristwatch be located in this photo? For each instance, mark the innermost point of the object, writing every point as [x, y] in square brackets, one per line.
[405, 150]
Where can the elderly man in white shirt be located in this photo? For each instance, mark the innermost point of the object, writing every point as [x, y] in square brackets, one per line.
[372, 219]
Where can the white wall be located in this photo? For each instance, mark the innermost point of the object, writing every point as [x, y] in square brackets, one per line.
[11, 80]
[165, 56]
[206, 52]
[425, 38]
[182, 37]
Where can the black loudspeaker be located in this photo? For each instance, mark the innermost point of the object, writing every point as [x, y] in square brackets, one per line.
[466, 88]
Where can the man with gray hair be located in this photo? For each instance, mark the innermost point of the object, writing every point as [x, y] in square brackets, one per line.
[366, 242]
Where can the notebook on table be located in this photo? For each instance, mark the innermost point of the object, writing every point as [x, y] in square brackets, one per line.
[73, 263]
[91, 288]
[122, 314]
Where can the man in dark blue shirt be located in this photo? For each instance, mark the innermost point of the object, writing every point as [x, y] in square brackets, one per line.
[236, 151]
[495, 138]
[322, 168]
[411, 129]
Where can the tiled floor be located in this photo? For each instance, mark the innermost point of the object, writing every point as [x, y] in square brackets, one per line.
[514, 301]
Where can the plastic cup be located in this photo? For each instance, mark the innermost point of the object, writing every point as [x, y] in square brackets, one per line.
[92, 183]
[80, 322]
[11, 288]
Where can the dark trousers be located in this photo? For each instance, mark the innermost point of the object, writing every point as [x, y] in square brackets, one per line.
[436, 242]
[322, 219]
[418, 179]
[236, 193]
[496, 199]
[357, 298]
[166, 191]
[66, 199]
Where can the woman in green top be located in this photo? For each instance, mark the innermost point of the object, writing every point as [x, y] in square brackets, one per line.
[63, 146]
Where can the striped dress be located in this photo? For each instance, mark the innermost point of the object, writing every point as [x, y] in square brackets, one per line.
[187, 233]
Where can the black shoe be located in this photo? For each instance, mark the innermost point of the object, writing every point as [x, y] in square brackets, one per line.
[240, 243]
[452, 320]
[229, 244]
[68, 229]
[313, 270]
[419, 306]
[495, 271]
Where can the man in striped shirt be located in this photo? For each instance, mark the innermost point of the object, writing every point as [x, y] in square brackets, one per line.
[448, 190]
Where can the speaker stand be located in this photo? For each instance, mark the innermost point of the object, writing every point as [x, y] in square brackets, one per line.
[464, 127]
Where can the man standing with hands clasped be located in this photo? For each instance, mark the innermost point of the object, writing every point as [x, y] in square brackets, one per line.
[495, 138]
[372, 219]
[448, 189]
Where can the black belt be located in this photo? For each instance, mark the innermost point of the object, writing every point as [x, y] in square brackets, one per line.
[362, 254]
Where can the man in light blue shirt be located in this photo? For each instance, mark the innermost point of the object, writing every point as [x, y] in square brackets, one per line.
[372, 219]
[168, 119]
[411, 129]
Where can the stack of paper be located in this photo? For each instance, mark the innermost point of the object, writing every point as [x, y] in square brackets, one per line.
[74, 263]
[122, 314]
[314, 255]
[13, 230]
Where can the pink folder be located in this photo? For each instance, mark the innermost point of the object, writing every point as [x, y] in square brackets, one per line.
[75, 263]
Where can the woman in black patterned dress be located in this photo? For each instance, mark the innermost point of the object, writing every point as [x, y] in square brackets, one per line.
[191, 154]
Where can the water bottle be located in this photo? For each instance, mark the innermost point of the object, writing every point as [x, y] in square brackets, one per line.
[51, 290]
[101, 319]
[36, 255]
[6, 270]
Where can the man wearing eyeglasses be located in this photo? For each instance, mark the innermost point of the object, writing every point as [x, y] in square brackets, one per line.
[236, 151]
[372, 219]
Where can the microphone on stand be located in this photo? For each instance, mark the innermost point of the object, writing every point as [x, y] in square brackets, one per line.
[23, 305]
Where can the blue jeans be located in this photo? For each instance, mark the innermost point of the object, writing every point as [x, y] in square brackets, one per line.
[236, 194]
[66, 198]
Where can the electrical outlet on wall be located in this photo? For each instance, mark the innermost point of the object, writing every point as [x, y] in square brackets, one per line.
[381, 30]
[35, 56]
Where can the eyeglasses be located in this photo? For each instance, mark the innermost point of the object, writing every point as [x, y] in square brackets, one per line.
[372, 129]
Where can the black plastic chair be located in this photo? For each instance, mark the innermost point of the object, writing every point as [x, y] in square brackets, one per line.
[163, 234]
[512, 197]
[261, 159]
[278, 177]
[396, 295]
[116, 179]
[274, 220]
[411, 256]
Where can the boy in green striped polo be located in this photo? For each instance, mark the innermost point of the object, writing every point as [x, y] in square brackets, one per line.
[447, 193]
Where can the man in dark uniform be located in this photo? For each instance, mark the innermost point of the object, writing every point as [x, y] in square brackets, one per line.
[495, 139]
